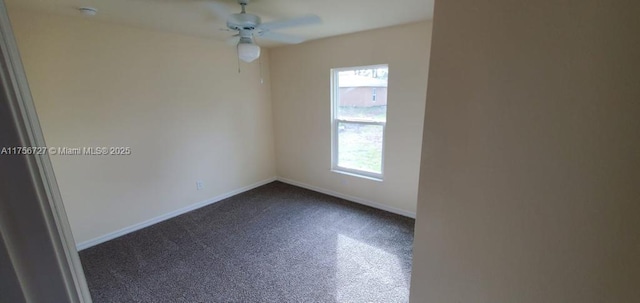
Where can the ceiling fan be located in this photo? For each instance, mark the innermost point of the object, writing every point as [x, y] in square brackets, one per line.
[250, 26]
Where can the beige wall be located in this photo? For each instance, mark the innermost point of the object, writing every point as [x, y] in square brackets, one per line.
[302, 113]
[530, 182]
[177, 101]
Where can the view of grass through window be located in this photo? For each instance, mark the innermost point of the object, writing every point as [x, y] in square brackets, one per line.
[360, 114]
[360, 147]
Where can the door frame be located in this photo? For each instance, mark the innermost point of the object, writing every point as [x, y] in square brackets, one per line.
[34, 230]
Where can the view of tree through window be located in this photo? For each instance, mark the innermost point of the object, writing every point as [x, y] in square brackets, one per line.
[360, 115]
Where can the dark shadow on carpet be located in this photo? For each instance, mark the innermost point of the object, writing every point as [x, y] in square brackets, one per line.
[276, 243]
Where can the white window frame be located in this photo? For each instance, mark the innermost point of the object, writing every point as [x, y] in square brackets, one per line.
[335, 90]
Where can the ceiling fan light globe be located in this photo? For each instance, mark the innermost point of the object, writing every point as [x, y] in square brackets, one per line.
[248, 52]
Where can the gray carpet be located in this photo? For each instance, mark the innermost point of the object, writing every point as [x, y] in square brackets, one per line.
[276, 243]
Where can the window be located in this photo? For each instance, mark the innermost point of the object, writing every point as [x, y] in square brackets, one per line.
[359, 119]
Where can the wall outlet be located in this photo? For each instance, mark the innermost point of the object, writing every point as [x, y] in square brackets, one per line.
[199, 184]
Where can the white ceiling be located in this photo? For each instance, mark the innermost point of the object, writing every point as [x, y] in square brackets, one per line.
[192, 17]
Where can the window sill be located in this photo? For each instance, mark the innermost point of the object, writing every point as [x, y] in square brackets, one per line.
[379, 179]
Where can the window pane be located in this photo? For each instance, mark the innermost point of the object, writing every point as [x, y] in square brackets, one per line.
[360, 146]
[362, 94]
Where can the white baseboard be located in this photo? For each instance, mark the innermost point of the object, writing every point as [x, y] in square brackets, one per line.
[359, 200]
[175, 213]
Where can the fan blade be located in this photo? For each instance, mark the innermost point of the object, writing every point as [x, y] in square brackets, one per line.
[233, 40]
[305, 20]
[281, 37]
[220, 10]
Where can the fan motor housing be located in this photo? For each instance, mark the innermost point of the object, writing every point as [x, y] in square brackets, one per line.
[243, 22]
